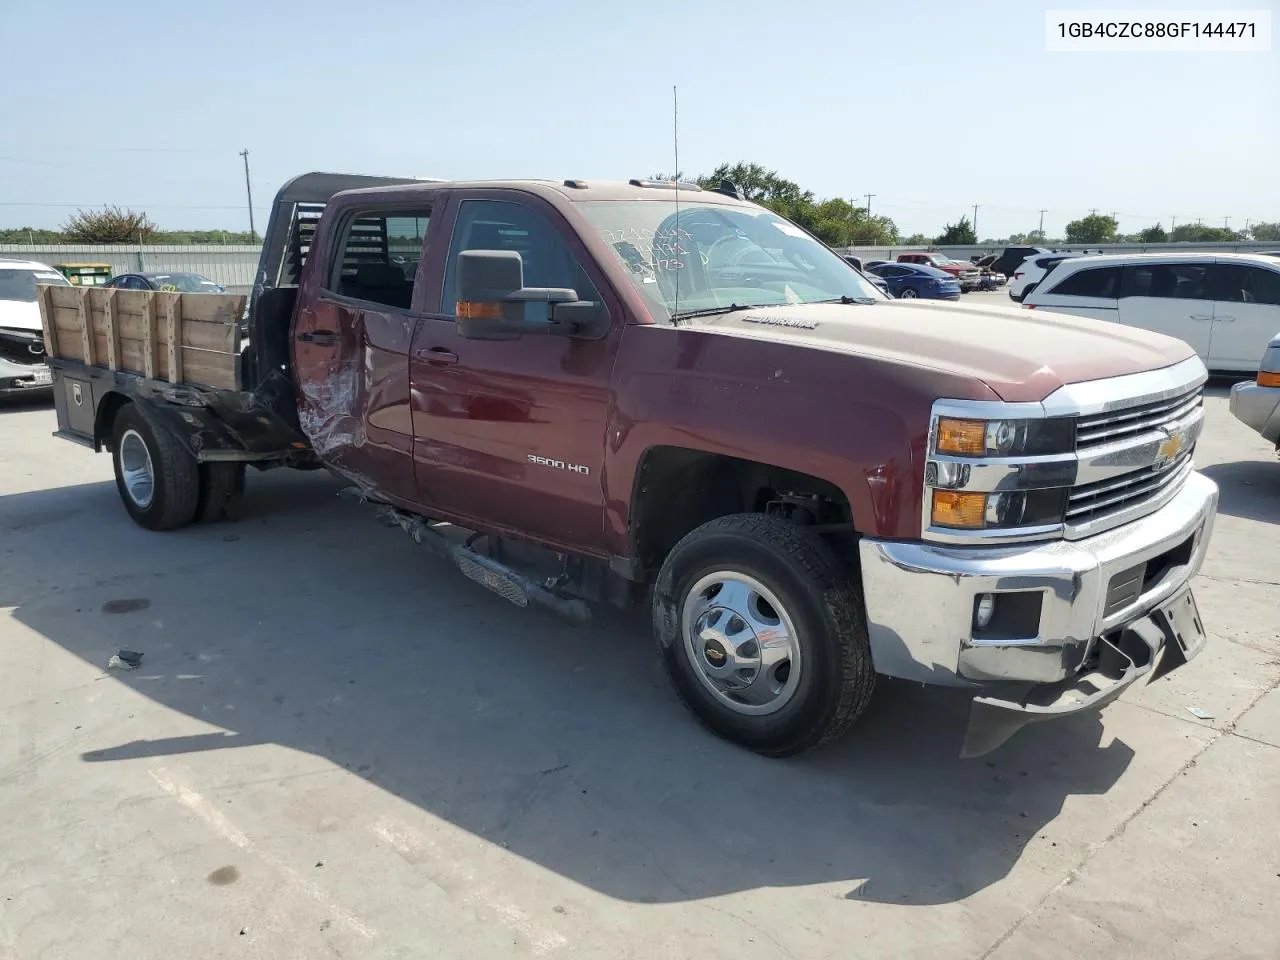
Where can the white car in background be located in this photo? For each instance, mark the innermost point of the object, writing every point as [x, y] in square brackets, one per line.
[1226, 306]
[1028, 274]
[22, 365]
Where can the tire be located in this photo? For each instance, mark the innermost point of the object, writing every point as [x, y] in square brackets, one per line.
[908, 293]
[811, 599]
[156, 477]
[221, 490]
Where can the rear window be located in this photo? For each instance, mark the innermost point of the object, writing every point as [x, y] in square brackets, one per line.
[21, 284]
[1091, 282]
[1170, 281]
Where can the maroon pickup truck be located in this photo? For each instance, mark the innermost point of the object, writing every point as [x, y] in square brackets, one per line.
[638, 393]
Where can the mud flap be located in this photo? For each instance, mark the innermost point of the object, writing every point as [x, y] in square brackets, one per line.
[1121, 662]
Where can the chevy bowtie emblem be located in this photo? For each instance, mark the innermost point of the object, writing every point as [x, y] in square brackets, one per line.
[1170, 447]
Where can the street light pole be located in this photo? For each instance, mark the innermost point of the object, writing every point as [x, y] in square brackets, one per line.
[253, 234]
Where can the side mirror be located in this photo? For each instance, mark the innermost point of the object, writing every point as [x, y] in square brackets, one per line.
[492, 300]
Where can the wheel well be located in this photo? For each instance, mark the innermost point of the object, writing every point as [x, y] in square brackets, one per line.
[105, 419]
[678, 489]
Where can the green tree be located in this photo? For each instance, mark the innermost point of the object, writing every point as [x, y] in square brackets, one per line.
[108, 225]
[1156, 234]
[957, 233]
[917, 240]
[1094, 228]
[1199, 233]
[31, 235]
[758, 184]
[1266, 231]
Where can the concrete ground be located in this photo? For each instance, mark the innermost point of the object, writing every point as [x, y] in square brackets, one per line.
[337, 746]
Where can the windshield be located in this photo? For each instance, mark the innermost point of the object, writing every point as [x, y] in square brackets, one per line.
[21, 284]
[184, 282]
[720, 256]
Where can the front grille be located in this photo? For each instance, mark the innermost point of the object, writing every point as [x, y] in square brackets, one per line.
[1093, 500]
[1101, 428]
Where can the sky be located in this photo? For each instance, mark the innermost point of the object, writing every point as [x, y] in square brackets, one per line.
[932, 106]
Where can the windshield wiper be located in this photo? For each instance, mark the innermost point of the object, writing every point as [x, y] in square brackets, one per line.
[846, 300]
[712, 311]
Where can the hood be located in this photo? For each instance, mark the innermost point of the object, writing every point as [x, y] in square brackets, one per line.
[19, 315]
[1021, 355]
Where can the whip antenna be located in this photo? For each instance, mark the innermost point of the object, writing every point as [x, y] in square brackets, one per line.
[675, 149]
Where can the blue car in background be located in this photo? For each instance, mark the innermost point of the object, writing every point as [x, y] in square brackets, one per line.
[910, 280]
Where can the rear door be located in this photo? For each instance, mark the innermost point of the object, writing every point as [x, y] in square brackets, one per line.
[512, 432]
[1246, 314]
[1085, 292]
[1171, 298]
[351, 340]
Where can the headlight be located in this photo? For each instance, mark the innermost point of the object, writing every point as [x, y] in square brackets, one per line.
[1004, 438]
[973, 510]
[997, 478]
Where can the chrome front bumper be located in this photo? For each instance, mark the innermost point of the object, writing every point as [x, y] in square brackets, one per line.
[1259, 407]
[921, 597]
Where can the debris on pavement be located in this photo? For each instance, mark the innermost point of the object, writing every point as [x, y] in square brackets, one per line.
[1200, 713]
[124, 660]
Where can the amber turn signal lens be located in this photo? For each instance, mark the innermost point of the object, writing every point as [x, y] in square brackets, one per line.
[1268, 379]
[962, 436]
[953, 509]
[470, 310]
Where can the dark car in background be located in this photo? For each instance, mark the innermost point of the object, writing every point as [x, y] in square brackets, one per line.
[911, 280]
[180, 282]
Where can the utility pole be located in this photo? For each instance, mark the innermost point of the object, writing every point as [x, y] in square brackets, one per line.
[975, 220]
[1093, 211]
[1041, 231]
[868, 196]
[1226, 223]
[1173, 225]
[248, 192]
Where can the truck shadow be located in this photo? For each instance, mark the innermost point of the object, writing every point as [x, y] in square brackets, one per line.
[309, 626]
[1247, 488]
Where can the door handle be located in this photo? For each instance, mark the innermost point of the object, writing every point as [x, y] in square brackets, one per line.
[439, 356]
[1201, 317]
[321, 338]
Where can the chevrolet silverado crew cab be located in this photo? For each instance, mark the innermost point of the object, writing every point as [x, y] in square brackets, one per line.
[649, 393]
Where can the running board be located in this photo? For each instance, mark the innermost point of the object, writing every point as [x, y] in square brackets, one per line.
[506, 582]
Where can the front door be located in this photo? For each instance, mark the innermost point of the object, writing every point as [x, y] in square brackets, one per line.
[512, 433]
[1171, 298]
[351, 348]
[1246, 315]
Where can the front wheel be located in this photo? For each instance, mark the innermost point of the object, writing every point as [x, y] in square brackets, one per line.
[908, 294]
[157, 478]
[762, 633]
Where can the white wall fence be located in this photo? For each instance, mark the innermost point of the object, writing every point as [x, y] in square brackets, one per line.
[964, 253]
[229, 264]
[234, 264]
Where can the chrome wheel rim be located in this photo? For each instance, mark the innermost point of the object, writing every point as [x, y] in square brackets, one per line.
[908, 294]
[135, 468]
[741, 643]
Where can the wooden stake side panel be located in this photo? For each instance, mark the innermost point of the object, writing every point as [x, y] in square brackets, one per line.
[179, 337]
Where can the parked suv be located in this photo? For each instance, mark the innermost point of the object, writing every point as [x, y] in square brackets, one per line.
[1032, 271]
[1011, 258]
[1225, 305]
